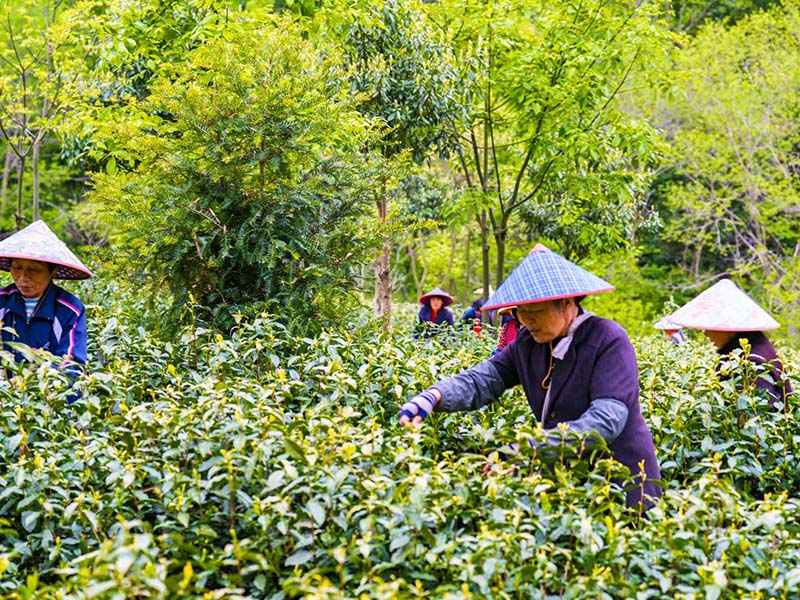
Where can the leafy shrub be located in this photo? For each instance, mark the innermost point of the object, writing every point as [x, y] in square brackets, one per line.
[241, 180]
[266, 465]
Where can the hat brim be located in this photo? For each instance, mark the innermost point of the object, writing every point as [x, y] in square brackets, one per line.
[63, 271]
[723, 307]
[544, 276]
[447, 299]
[37, 242]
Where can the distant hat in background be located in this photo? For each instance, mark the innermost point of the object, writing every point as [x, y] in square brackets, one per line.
[480, 290]
[544, 275]
[506, 310]
[37, 242]
[723, 307]
[666, 324]
[447, 299]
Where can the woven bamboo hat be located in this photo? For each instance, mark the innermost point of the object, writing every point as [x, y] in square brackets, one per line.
[723, 307]
[447, 299]
[545, 275]
[37, 242]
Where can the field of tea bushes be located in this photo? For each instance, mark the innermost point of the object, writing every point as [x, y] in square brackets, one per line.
[261, 465]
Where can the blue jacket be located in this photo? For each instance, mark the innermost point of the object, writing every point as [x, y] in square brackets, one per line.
[425, 323]
[58, 325]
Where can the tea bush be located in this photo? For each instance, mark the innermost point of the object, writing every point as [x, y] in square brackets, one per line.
[263, 465]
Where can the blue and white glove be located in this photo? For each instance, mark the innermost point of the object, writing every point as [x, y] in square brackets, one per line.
[420, 405]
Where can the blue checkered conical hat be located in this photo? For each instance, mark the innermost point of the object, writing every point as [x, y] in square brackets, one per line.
[542, 276]
[37, 242]
[447, 299]
[723, 307]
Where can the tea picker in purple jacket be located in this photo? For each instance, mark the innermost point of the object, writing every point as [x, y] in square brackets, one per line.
[727, 316]
[576, 369]
[34, 311]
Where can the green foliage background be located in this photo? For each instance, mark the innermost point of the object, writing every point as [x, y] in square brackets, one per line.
[237, 434]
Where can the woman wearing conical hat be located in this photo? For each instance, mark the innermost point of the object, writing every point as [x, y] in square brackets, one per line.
[673, 332]
[728, 316]
[576, 369]
[434, 312]
[509, 327]
[33, 309]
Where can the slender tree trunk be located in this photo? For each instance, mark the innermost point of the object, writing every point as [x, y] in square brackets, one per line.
[422, 257]
[8, 165]
[411, 251]
[485, 247]
[383, 277]
[453, 242]
[467, 286]
[500, 235]
[19, 217]
[696, 261]
[37, 149]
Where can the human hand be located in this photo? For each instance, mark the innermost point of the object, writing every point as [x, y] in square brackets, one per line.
[419, 407]
[500, 455]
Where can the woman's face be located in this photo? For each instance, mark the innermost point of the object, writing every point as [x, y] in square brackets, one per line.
[546, 320]
[436, 303]
[30, 276]
[719, 338]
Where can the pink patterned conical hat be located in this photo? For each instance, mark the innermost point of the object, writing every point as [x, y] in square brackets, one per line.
[723, 307]
[37, 242]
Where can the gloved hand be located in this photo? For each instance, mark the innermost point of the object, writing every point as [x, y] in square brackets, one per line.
[419, 407]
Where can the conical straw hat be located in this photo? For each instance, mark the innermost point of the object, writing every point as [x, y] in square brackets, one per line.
[37, 242]
[447, 299]
[480, 290]
[666, 323]
[506, 310]
[545, 275]
[723, 307]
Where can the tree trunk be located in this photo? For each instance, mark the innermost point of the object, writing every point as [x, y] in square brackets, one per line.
[468, 269]
[19, 217]
[383, 277]
[447, 279]
[37, 148]
[485, 247]
[500, 234]
[9, 163]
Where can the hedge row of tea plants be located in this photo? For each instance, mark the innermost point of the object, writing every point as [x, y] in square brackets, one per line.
[262, 465]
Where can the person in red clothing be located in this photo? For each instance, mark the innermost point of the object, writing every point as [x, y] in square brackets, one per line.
[509, 328]
[471, 317]
[434, 314]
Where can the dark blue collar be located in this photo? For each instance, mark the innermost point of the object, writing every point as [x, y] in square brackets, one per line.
[46, 308]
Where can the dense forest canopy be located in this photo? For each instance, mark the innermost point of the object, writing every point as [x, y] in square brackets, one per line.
[312, 156]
